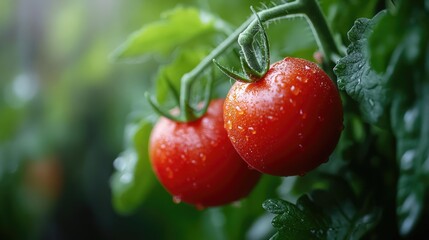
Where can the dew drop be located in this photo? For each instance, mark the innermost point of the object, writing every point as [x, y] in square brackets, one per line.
[320, 118]
[252, 130]
[229, 124]
[295, 91]
[301, 147]
[299, 78]
[292, 102]
[177, 199]
[371, 102]
[163, 146]
[270, 117]
[300, 135]
[194, 185]
[182, 156]
[194, 162]
[240, 128]
[307, 67]
[239, 110]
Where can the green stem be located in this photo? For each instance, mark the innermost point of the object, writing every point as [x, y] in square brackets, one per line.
[307, 8]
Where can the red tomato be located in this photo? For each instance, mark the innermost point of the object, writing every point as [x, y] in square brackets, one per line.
[287, 123]
[196, 161]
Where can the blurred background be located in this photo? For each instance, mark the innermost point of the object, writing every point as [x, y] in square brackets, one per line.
[63, 108]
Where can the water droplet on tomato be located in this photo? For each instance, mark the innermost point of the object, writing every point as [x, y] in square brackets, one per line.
[307, 67]
[250, 167]
[229, 124]
[240, 128]
[301, 147]
[177, 199]
[182, 156]
[239, 110]
[303, 114]
[292, 102]
[163, 146]
[270, 117]
[320, 118]
[193, 161]
[252, 130]
[295, 91]
[203, 157]
[300, 135]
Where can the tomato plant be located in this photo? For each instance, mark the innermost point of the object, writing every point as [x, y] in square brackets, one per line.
[197, 163]
[288, 122]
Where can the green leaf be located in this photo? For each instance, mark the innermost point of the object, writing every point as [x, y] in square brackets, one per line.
[177, 27]
[321, 215]
[356, 76]
[133, 177]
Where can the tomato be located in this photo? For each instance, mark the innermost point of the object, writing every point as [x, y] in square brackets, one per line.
[196, 162]
[288, 122]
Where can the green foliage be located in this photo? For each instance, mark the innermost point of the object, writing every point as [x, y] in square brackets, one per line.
[320, 215]
[178, 27]
[392, 74]
[355, 75]
[133, 177]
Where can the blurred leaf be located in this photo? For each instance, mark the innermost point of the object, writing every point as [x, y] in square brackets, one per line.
[356, 76]
[133, 177]
[176, 28]
[173, 72]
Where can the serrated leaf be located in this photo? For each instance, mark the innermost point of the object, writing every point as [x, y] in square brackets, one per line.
[356, 76]
[323, 215]
[133, 175]
[176, 28]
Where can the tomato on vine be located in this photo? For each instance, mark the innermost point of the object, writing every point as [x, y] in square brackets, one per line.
[196, 162]
[288, 122]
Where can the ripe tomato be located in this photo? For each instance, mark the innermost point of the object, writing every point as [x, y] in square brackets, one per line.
[196, 161]
[287, 123]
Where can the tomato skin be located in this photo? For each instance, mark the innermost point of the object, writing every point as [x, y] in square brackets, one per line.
[196, 162]
[287, 123]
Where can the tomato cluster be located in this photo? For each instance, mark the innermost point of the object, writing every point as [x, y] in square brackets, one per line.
[285, 124]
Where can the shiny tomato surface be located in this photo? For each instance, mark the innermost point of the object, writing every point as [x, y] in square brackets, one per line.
[287, 123]
[196, 162]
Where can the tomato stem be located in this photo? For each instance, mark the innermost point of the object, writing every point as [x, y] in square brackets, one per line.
[245, 36]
